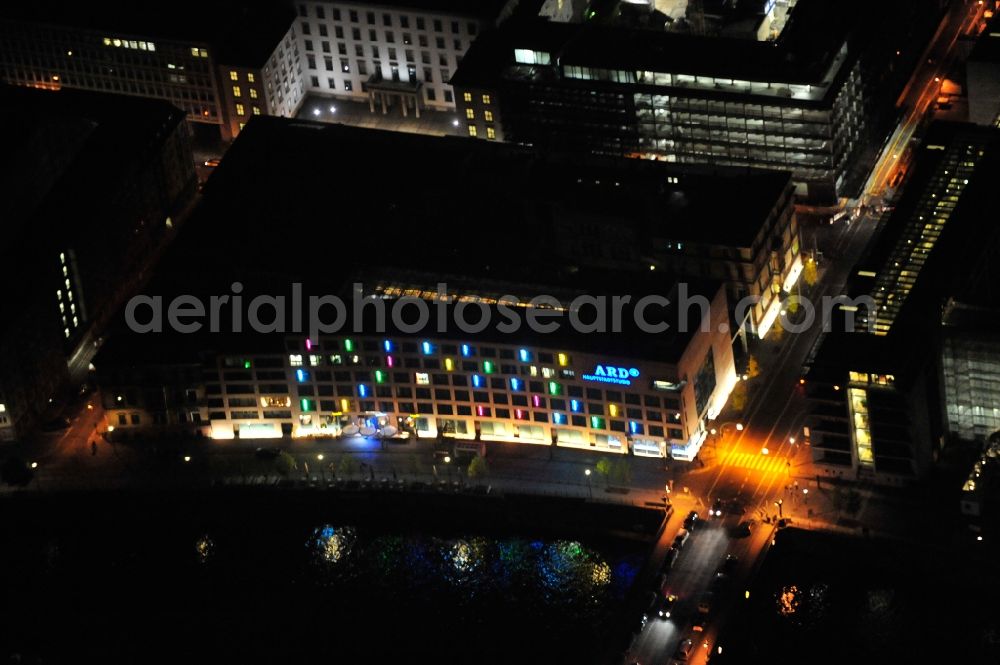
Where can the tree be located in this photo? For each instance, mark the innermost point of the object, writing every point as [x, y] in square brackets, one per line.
[738, 398]
[621, 472]
[810, 272]
[347, 466]
[753, 367]
[477, 467]
[603, 469]
[285, 463]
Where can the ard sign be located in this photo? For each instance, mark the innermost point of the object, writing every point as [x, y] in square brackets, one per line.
[621, 376]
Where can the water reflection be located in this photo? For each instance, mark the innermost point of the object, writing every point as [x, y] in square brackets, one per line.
[331, 544]
[204, 547]
[535, 573]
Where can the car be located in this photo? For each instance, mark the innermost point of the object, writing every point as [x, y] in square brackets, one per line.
[661, 582]
[267, 453]
[745, 528]
[212, 163]
[684, 650]
[699, 623]
[716, 510]
[691, 520]
[705, 603]
[720, 582]
[681, 538]
[671, 558]
[666, 606]
[729, 564]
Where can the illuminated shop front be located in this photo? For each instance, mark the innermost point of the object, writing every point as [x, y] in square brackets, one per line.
[469, 392]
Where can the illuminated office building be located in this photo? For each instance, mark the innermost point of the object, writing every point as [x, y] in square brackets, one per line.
[915, 369]
[804, 92]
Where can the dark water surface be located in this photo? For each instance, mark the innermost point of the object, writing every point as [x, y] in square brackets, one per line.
[823, 598]
[143, 579]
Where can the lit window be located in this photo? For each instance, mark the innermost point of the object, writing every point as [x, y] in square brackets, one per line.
[242, 125]
[423, 378]
[203, 53]
[488, 115]
[256, 110]
[486, 99]
[240, 110]
[3, 408]
[253, 93]
[236, 91]
[470, 114]
[315, 360]
[491, 133]
[107, 41]
[472, 130]
[467, 96]
[234, 76]
[295, 360]
[194, 51]
[250, 78]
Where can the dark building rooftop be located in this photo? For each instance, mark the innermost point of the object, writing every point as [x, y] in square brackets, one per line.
[451, 205]
[243, 32]
[328, 205]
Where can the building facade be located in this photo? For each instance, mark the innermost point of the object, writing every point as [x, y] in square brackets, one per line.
[907, 367]
[473, 392]
[161, 57]
[805, 101]
[385, 50]
[760, 263]
[114, 184]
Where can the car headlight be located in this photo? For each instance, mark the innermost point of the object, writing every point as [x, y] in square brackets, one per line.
[667, 615]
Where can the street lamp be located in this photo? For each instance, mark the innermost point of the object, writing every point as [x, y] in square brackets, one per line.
[765, 451]
[447, 461]
[320, 457]
[779, 503]
[590, 488]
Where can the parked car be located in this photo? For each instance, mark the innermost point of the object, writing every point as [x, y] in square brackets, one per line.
[691, 520]
[745, 528]
[684, 650]
[705, 603]
[720, 582]
[267, 453]
[671, 558]
[729, 564]
[681, 538]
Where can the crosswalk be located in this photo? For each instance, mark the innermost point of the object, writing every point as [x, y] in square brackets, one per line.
[755, 462]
